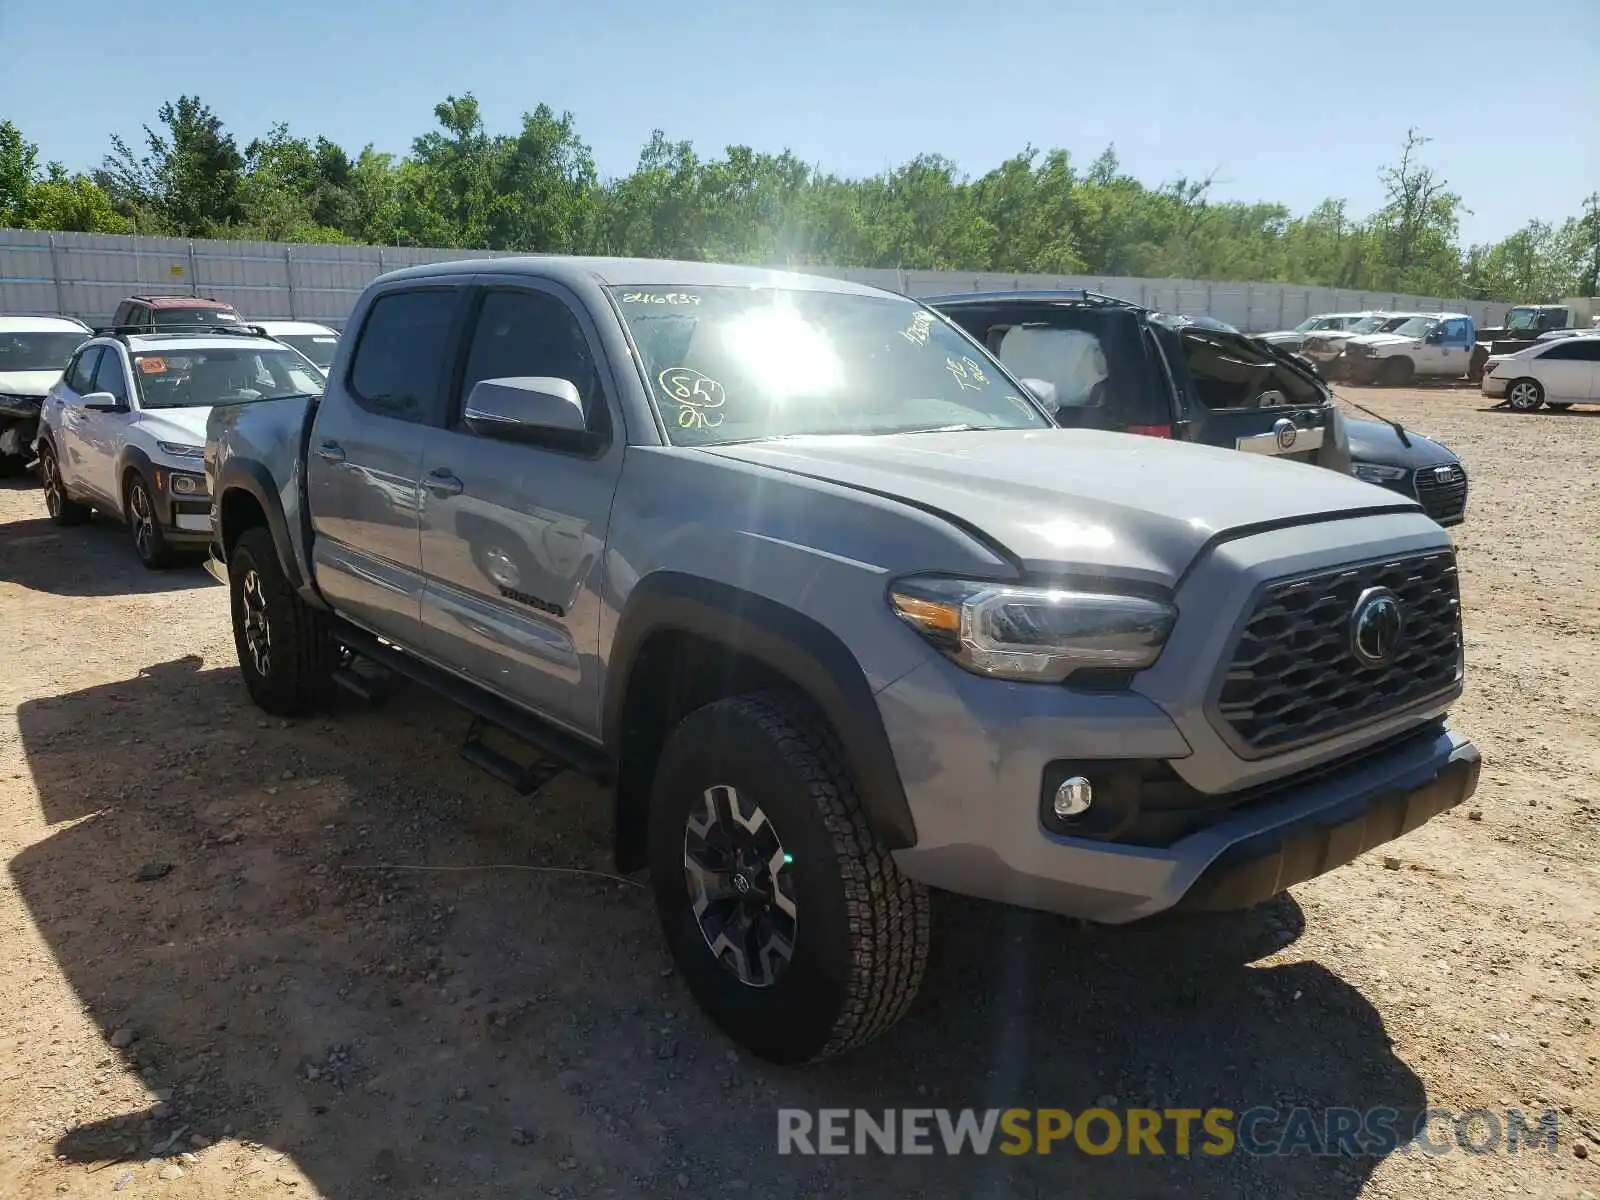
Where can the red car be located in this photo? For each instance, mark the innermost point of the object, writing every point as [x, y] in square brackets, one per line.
[144, 314]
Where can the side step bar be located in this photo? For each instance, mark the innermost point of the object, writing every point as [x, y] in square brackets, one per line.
[568, 750]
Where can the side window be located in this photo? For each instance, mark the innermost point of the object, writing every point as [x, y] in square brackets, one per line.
[108, 377]
[123, 315]
[80, 375]
[534, 333]
[402, 353]
[1588, 348]
[1565, 351]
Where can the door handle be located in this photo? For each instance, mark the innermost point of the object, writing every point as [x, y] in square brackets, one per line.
[331, 452]
[441, 482]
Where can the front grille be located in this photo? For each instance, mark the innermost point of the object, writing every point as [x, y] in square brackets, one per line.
[1293, 677]
[1443, 491]
[1358, 350]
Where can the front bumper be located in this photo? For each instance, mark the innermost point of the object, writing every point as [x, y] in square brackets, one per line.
[1249, 856]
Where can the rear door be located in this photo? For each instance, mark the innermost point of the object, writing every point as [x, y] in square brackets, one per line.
[365, 456]
[1567, 369]
[1239, 398]
[512, 532]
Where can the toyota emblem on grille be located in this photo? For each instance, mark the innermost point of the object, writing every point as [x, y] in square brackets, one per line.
[1286, 433]
[1443, 474]
[1376, 626]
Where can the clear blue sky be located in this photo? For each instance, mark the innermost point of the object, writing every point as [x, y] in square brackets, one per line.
[1283, 100]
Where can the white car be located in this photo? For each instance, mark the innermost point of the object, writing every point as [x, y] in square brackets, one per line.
[33, 349]
[1556, 374]
[1294, 339]
[123, 431]
[1325, 347]
[316, 342]
[1430, 346]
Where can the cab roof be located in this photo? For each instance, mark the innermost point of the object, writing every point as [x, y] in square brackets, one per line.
[639, 272]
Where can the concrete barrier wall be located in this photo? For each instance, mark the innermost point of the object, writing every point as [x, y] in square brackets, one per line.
[86, 274]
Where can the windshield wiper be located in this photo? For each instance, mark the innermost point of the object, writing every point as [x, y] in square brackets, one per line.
[1399, 429]
[946, 429]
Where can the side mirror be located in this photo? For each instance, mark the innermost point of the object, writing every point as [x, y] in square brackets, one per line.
[1435, 334]
[1044, 392]
[524, 408]
[103, 402]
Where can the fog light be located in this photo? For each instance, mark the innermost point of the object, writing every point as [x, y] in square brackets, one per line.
[1073, 797]
[185, 485]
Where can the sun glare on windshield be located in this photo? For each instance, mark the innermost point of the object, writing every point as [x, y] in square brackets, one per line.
[785, 352]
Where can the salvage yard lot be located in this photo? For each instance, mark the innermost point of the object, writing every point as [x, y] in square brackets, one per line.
[272, 1017]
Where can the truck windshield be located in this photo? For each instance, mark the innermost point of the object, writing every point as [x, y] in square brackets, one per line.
[1528, 319]
[221, 375]
[1373, 324]
[1415, 327]
[47, 351]
[727, 364]
[318, 347]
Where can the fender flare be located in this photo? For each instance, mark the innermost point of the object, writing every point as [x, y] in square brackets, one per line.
[135, 458]
[243, 475]
[790, 643]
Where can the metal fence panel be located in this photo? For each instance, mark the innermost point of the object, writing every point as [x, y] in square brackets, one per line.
[87, 274]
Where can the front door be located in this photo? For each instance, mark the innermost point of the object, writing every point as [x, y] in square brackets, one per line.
[1455, 347]
[512, 532]
[103, 434]
[365, 455]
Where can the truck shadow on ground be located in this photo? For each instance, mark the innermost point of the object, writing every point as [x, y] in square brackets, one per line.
[96, 559]
[474, 1031]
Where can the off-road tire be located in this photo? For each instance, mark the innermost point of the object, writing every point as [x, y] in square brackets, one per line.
[149, 539]
[1525, 395]
[862, 929]
[62, 508]
[303, 653]
[1396, 372]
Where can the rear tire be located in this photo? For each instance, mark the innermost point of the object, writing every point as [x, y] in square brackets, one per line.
[822, 946]
[1396, 372]
[62, 508]
[287, 653]
[1525, 395]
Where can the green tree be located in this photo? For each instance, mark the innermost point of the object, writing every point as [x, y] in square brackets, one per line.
[188, 181]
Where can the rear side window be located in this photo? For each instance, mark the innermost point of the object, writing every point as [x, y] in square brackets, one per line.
[403, 351]
[80, 375]
[1581, 349]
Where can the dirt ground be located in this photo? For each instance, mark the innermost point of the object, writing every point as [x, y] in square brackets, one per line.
[269, 1016]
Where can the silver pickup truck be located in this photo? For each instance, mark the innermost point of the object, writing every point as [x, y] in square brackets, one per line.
[820, 588]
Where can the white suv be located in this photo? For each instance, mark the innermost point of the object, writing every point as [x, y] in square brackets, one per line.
[124, 429]
[316, 342]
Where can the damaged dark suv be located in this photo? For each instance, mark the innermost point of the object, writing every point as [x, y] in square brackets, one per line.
[1114, 365]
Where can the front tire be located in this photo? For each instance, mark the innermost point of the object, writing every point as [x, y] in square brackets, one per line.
[149, 539]
[1396, 372]
[788, 918]
[1525, 395]
[62, 508]
[287, 653]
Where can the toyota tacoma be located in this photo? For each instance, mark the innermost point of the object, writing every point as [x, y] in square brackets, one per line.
[818, 587]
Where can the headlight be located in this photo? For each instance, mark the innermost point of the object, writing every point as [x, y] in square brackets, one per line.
[1037, 634]
[1378, 473]
[182, 449]
[186, 485]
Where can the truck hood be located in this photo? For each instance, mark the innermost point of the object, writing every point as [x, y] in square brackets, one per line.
[187, 425]
[28, 383]
[1279, 337]
[1379, 341]
[1075, 500]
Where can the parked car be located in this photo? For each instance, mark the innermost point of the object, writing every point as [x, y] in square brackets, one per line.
[315, 341]
[1555, 374]
[1294, 339]
[1526, 324]
[1116, 366]
[1435, 346]
[860, 619]
[148, 314]
[1325, 350]
[123, 430]
[33, 349]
